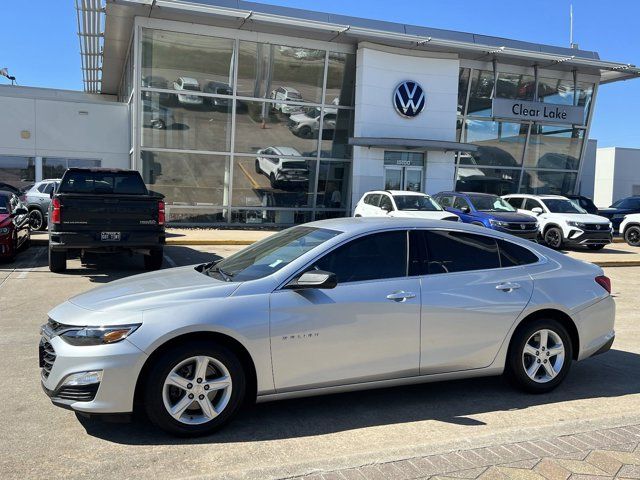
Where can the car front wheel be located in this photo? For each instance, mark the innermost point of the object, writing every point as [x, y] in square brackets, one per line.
[194, 389]
[540, 356]
[553, 238]
[632, 236]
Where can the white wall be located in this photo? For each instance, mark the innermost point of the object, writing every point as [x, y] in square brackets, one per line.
[617, 174]
[586, 181]
[63, 124]
[604, 174]
[379, 70]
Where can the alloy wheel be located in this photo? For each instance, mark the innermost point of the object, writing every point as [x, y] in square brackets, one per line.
[633, 236]
[197, 390]
[35, 219]
[543, 356]
[553, 238]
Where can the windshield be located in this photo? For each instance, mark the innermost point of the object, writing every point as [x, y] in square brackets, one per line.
[312, 112]
[487, 203]
[627, 203]
[294, 96]
[188, 86]
[270, 255]
[4, 204]
[562, 205]
[416, 202]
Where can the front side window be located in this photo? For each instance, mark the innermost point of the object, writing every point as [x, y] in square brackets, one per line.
[485, 203]
[562, 205]
[435, 252]
[270, 255]
[416, 203]
[385, 203]
[373, 257]
[530, 204]
[459, 203]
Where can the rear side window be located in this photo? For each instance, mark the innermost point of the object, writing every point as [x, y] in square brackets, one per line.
[374, 199]
[434, 252]
[42, 187]
[49, 188]
[117, 183]
[376, 256]
[512, 255]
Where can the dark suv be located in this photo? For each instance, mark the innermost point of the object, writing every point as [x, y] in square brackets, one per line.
[619, 209]
[490, 211]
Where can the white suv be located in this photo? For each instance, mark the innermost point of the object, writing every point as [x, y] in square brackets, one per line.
[397, 203]
[186, 84]
[630, 229]
[286, 94]
[562, 222]
[283, 172]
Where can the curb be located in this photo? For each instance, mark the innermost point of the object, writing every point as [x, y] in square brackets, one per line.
[175, 242]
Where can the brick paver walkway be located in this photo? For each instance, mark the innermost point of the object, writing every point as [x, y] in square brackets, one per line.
[595, 455]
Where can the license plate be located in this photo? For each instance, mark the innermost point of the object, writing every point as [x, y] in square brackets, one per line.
[110, 236]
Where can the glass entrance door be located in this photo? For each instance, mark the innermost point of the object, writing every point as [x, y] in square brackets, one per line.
[393, 178]
[412, 179]
[404, 171]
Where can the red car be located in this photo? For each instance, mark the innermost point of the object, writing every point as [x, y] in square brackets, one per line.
[14, 225]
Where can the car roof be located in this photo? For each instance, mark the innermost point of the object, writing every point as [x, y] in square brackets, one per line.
[537, 197]
[290, 89]
[287, 151]
[189, 80]
[475, 194]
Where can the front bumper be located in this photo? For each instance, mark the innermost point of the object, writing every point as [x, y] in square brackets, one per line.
[120, 364]
[526, 234]
[90, 240]
[580, 237]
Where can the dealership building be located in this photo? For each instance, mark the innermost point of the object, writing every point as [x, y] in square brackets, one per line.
[245, 113]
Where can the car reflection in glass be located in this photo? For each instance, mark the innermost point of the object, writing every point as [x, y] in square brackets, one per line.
[284, 173]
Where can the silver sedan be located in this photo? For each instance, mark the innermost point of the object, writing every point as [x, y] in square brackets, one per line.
[326, 307]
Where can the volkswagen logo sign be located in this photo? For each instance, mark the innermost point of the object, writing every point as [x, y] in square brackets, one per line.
[409, 99]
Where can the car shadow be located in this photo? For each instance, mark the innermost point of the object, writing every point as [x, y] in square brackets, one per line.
[613, 374]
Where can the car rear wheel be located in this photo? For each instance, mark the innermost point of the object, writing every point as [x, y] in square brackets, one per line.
[632, 235]
[272, 180]
[553, 238]
[258, 169]
[194, 389]
[153, 261]
[36, 219]
[57, 260]
[540, 356]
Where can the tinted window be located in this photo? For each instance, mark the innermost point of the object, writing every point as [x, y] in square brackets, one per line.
[530, 204]
[562, 205]
[5, 207]
[376, 256]
[514, 202]
[512, 255]
[459, 203]
[448, 252]
[42, 187]
[124, 183]
[445, 201]
[385, 203]
[49, 188]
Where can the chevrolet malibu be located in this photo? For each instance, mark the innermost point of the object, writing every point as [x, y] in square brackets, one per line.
[326, 307]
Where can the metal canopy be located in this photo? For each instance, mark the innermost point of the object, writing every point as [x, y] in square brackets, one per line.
[90, 15]
[412, 143]
[243, 15]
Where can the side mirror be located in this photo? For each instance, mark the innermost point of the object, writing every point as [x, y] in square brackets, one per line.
[465, 210]
[20, 211]
[314, 279]
[537, 210]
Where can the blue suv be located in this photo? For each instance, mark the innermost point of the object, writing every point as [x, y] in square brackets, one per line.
[487, 210]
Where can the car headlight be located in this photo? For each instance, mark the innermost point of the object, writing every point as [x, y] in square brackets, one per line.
[86, 336]
[498, 223]
[576, 224]
[4, 230]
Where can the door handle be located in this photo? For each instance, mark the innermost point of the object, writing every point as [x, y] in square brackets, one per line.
[508, 286]
[400, 296]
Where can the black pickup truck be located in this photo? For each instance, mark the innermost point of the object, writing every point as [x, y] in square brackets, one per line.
[105, 210]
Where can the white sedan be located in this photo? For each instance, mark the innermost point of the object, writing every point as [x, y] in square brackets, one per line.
[325, 307]
[400, 203]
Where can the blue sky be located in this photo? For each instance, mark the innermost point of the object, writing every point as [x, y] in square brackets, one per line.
[40, 46]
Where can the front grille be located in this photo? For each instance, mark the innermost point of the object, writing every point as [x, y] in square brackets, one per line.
[80, 393]
[596, 227]
[518, 226]
[47, 356]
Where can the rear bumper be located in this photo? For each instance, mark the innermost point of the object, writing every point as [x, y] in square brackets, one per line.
[596, 325]
[90, 240]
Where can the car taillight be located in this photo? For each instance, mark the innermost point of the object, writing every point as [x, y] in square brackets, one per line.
[604, 282]
[56, 210]
[161, 213]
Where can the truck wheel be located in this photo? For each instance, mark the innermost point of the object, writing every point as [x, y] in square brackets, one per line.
[57, 261]
[632, 235]
[153, 261]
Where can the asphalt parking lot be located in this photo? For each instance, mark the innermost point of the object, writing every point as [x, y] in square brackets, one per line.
[293, 437]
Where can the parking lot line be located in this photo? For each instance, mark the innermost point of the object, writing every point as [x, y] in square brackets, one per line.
[253, 182]
[34, 263]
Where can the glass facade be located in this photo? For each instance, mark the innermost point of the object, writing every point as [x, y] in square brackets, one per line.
[518, 156]
[240, 132]
[17, 171]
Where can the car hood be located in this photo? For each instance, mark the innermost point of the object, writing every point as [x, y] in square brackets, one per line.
[514, 217]
[300, 118]
[160, 289]
[3, 218]
[582, 217]
[439, 215]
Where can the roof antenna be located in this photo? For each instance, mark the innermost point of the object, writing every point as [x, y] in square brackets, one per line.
[571, 44]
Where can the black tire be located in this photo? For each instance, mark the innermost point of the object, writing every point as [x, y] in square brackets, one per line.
[515, 365]
[158, 124]
[258, 169]
[596, 247]
[37, 221]
[153, 394]
[153, 261]
[57, 260]
[553, 238]
[305, 132]
[272, 180]
[632, 235]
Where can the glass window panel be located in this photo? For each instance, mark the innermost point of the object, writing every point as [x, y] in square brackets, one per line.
[341, 79]
[187, 179]
[273, 217]
[333, 184]
[548, 182]
[186, 122]
[259, 125]
[554, 90]
[82, 163]
[481, 91]
[280, 72]
[554, 147]
[516, 86]
[272, 181]
[459, 252]
[17, 171]
[463, 87]
[499, 181]
[337, 127]
[499, 143]
[199, 214]
[53, 167]
[168, 57]
[329, 214]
